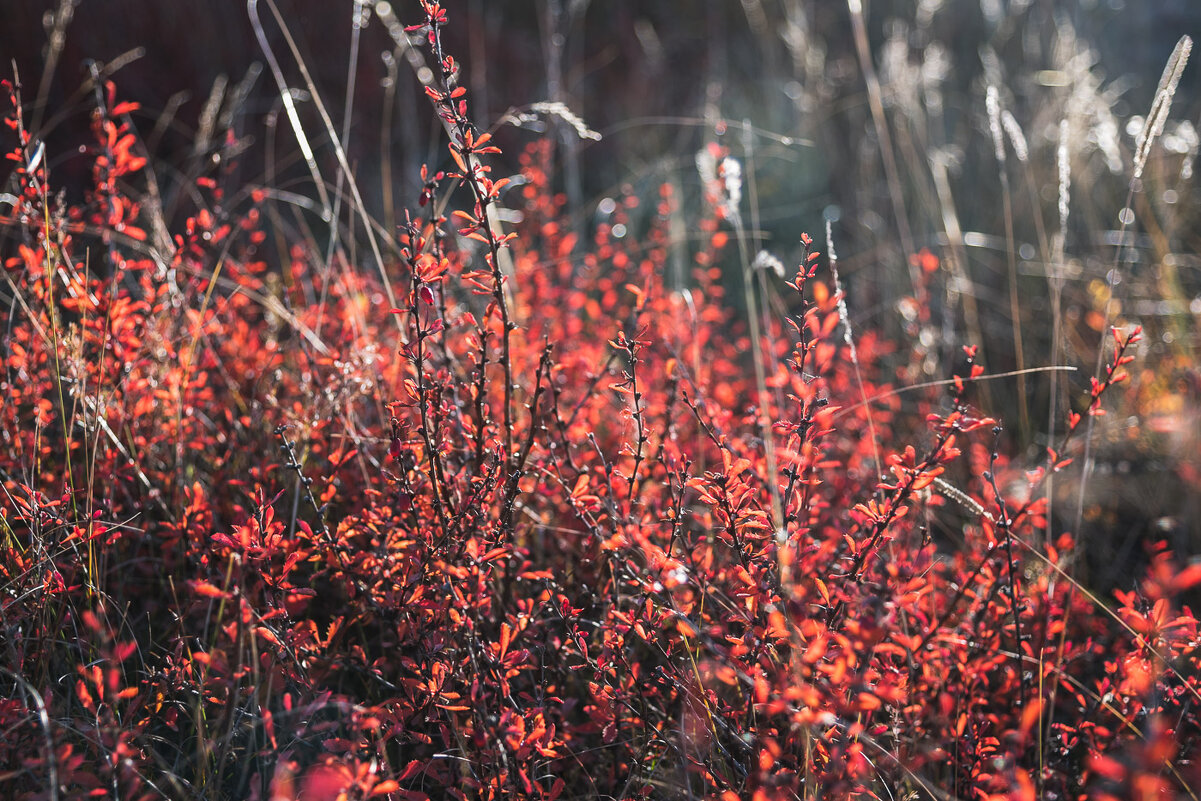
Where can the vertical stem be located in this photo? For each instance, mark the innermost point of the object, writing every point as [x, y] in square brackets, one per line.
[875, 101]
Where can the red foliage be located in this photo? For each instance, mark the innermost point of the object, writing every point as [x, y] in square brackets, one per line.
[531, 546]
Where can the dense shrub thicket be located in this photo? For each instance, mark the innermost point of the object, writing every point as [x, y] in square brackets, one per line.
[494, 512]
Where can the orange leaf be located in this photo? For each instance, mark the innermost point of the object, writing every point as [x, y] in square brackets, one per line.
[207, 590]
[1188, 578]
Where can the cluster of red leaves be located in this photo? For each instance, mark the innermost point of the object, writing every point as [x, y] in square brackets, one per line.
[530, 546]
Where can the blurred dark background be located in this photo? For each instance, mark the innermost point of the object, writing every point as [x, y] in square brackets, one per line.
[787, 66]
[656, 80]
